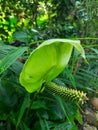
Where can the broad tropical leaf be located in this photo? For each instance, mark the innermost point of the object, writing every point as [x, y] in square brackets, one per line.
[47, 61]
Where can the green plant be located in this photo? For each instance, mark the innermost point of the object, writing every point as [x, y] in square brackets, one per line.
[48, 61]
[52, 19]
[18, 108]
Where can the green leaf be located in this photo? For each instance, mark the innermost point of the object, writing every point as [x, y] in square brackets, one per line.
[25, 127]
[68, 112]
[66, 126]
[79, 117]
[95, 50]
[43, 123]
[47, 61]
[38, 105]
[71, 77]
[22, 109]
[22, 36]
[10, 58]
[13, 20]
[4, 99]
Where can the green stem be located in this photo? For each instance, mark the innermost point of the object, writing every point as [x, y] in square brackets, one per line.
[67, 93]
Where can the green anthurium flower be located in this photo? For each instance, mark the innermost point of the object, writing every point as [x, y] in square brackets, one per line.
[47, 61]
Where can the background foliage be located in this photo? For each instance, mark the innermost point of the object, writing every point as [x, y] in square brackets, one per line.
[23, 26]
[48, 19]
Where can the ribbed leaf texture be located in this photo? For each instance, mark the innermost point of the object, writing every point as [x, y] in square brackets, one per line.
[67, 93]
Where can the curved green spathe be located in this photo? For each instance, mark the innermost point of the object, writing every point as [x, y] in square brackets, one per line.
[47, 61]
